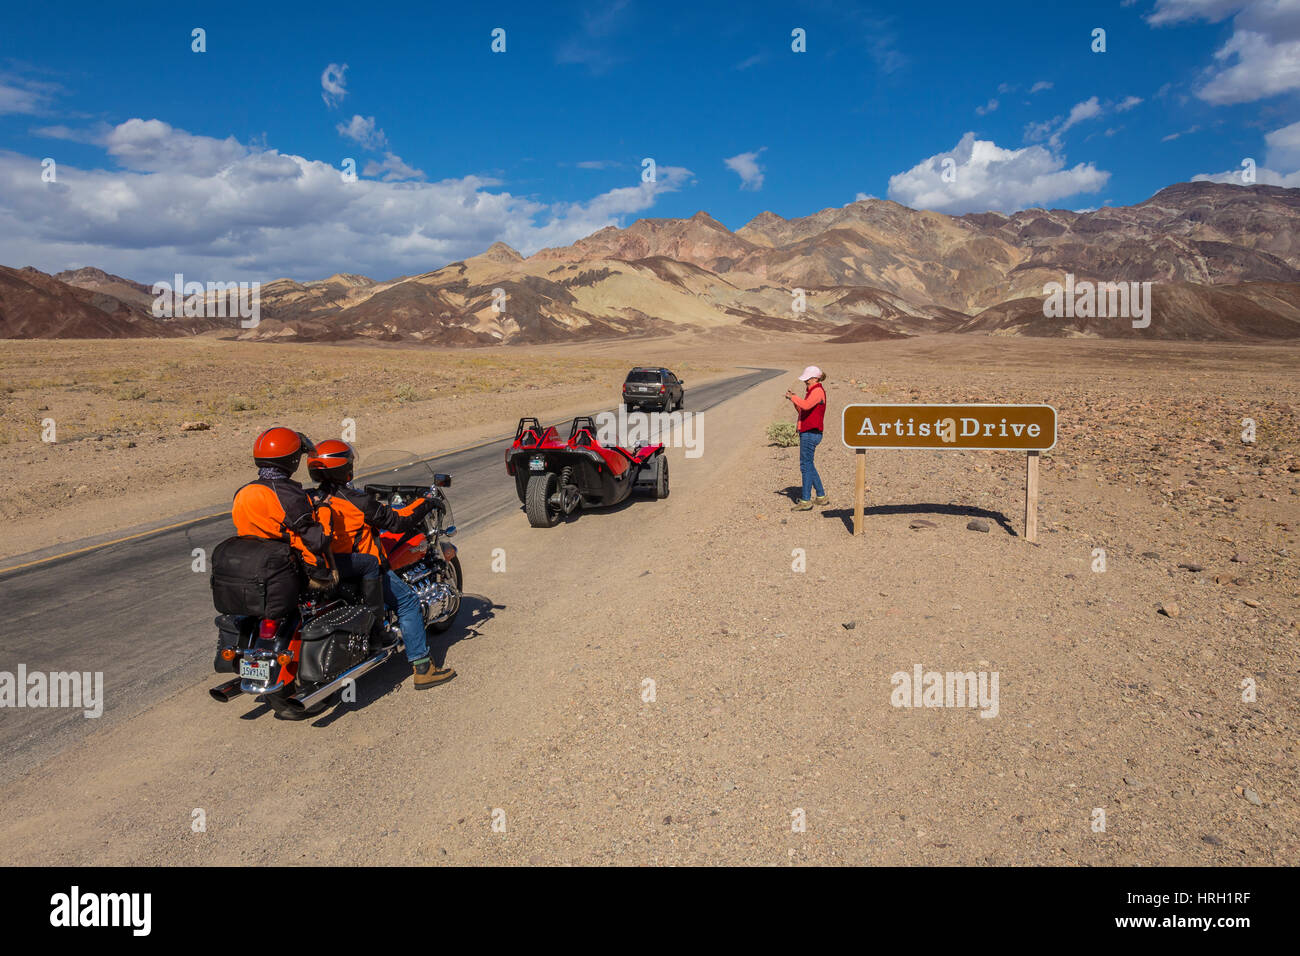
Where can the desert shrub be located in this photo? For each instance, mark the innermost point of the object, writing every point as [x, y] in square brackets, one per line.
[405, 393]
[130, 393]
[238, 403]
[783, 434]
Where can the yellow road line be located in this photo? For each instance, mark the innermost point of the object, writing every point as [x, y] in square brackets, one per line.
[108, 544]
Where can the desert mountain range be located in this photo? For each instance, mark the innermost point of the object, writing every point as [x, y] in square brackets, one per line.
[1224, 261]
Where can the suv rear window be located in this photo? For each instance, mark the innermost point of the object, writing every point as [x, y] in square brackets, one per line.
[643, 376]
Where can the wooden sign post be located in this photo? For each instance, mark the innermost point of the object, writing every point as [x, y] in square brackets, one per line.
[1027, 428]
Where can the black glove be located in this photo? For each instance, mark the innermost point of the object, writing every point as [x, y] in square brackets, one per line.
[320, 577]
[427, 505]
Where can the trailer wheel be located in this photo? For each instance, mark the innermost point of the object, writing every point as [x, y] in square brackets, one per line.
[661, 479]
[541, 488]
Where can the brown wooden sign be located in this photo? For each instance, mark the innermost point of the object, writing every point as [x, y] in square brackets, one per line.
[988, 427]
[1027, 428]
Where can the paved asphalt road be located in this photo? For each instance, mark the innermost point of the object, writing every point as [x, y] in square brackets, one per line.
[135, 611]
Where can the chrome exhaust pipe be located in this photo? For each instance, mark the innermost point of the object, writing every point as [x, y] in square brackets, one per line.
[304, 701]
[226, 692]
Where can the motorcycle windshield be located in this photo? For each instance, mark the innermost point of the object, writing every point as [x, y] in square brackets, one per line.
[394, 467]
[398, 467]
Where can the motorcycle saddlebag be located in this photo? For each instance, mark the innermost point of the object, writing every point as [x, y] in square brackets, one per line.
[233, 632]
[255, 576]
[334, 641]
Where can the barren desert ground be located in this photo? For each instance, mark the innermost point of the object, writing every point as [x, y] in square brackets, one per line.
[662, 684]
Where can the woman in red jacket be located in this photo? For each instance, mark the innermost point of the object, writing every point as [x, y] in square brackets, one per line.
[812, 413]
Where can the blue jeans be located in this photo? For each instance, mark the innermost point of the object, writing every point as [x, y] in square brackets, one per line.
[808, 442]
[398, 594]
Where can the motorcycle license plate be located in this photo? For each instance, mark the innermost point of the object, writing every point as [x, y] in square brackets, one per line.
[255, 670]
[537, 464]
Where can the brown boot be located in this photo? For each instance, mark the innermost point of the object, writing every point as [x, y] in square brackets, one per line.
[428, 675]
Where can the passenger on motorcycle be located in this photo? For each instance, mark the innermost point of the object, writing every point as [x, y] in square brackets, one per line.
[357, 517]
[277, 507]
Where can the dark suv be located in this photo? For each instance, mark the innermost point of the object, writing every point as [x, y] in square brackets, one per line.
[655, 388]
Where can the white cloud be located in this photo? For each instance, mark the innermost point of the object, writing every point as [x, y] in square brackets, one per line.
[221, 210]
[1283, 153]
[1128, 103]
[1052, 129]
[988, 107]
[392, 169]
[1263, 176]
[22, 96]
[361, 129]
[1284, 147]
[745, 165]
[155, 146]
[596, 164]
[1260, 59]
[987, 176]
[333, 84]
[1264, 68]
[1079, 112]
[1040, 86]
[1175, 11]
[592, 45]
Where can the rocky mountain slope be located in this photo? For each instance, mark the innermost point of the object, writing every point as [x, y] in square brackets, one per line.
[1224, 262]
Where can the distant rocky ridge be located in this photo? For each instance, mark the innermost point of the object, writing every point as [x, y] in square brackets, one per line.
[1224, 262]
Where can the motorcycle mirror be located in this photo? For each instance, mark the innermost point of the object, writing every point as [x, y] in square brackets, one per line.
[442, 480]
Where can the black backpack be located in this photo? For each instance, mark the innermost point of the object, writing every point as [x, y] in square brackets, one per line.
[260, 577]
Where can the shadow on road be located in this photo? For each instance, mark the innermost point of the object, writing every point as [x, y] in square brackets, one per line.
[475, 611]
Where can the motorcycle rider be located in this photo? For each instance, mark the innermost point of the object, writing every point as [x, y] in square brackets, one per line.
[277, 507]
[357, 517]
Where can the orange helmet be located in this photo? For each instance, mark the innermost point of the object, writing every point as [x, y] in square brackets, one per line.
[331, 461]
[280, 447]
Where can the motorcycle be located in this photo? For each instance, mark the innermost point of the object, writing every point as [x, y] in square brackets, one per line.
[300, 663]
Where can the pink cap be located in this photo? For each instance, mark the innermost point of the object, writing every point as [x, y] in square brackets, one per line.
[812, 371]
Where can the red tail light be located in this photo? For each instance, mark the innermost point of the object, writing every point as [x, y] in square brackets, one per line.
[268, 629]
[662, 389]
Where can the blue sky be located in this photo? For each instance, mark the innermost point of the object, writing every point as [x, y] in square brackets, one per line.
[225, 163]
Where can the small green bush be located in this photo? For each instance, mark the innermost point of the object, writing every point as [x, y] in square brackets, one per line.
[783, 434]
[405, 393]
